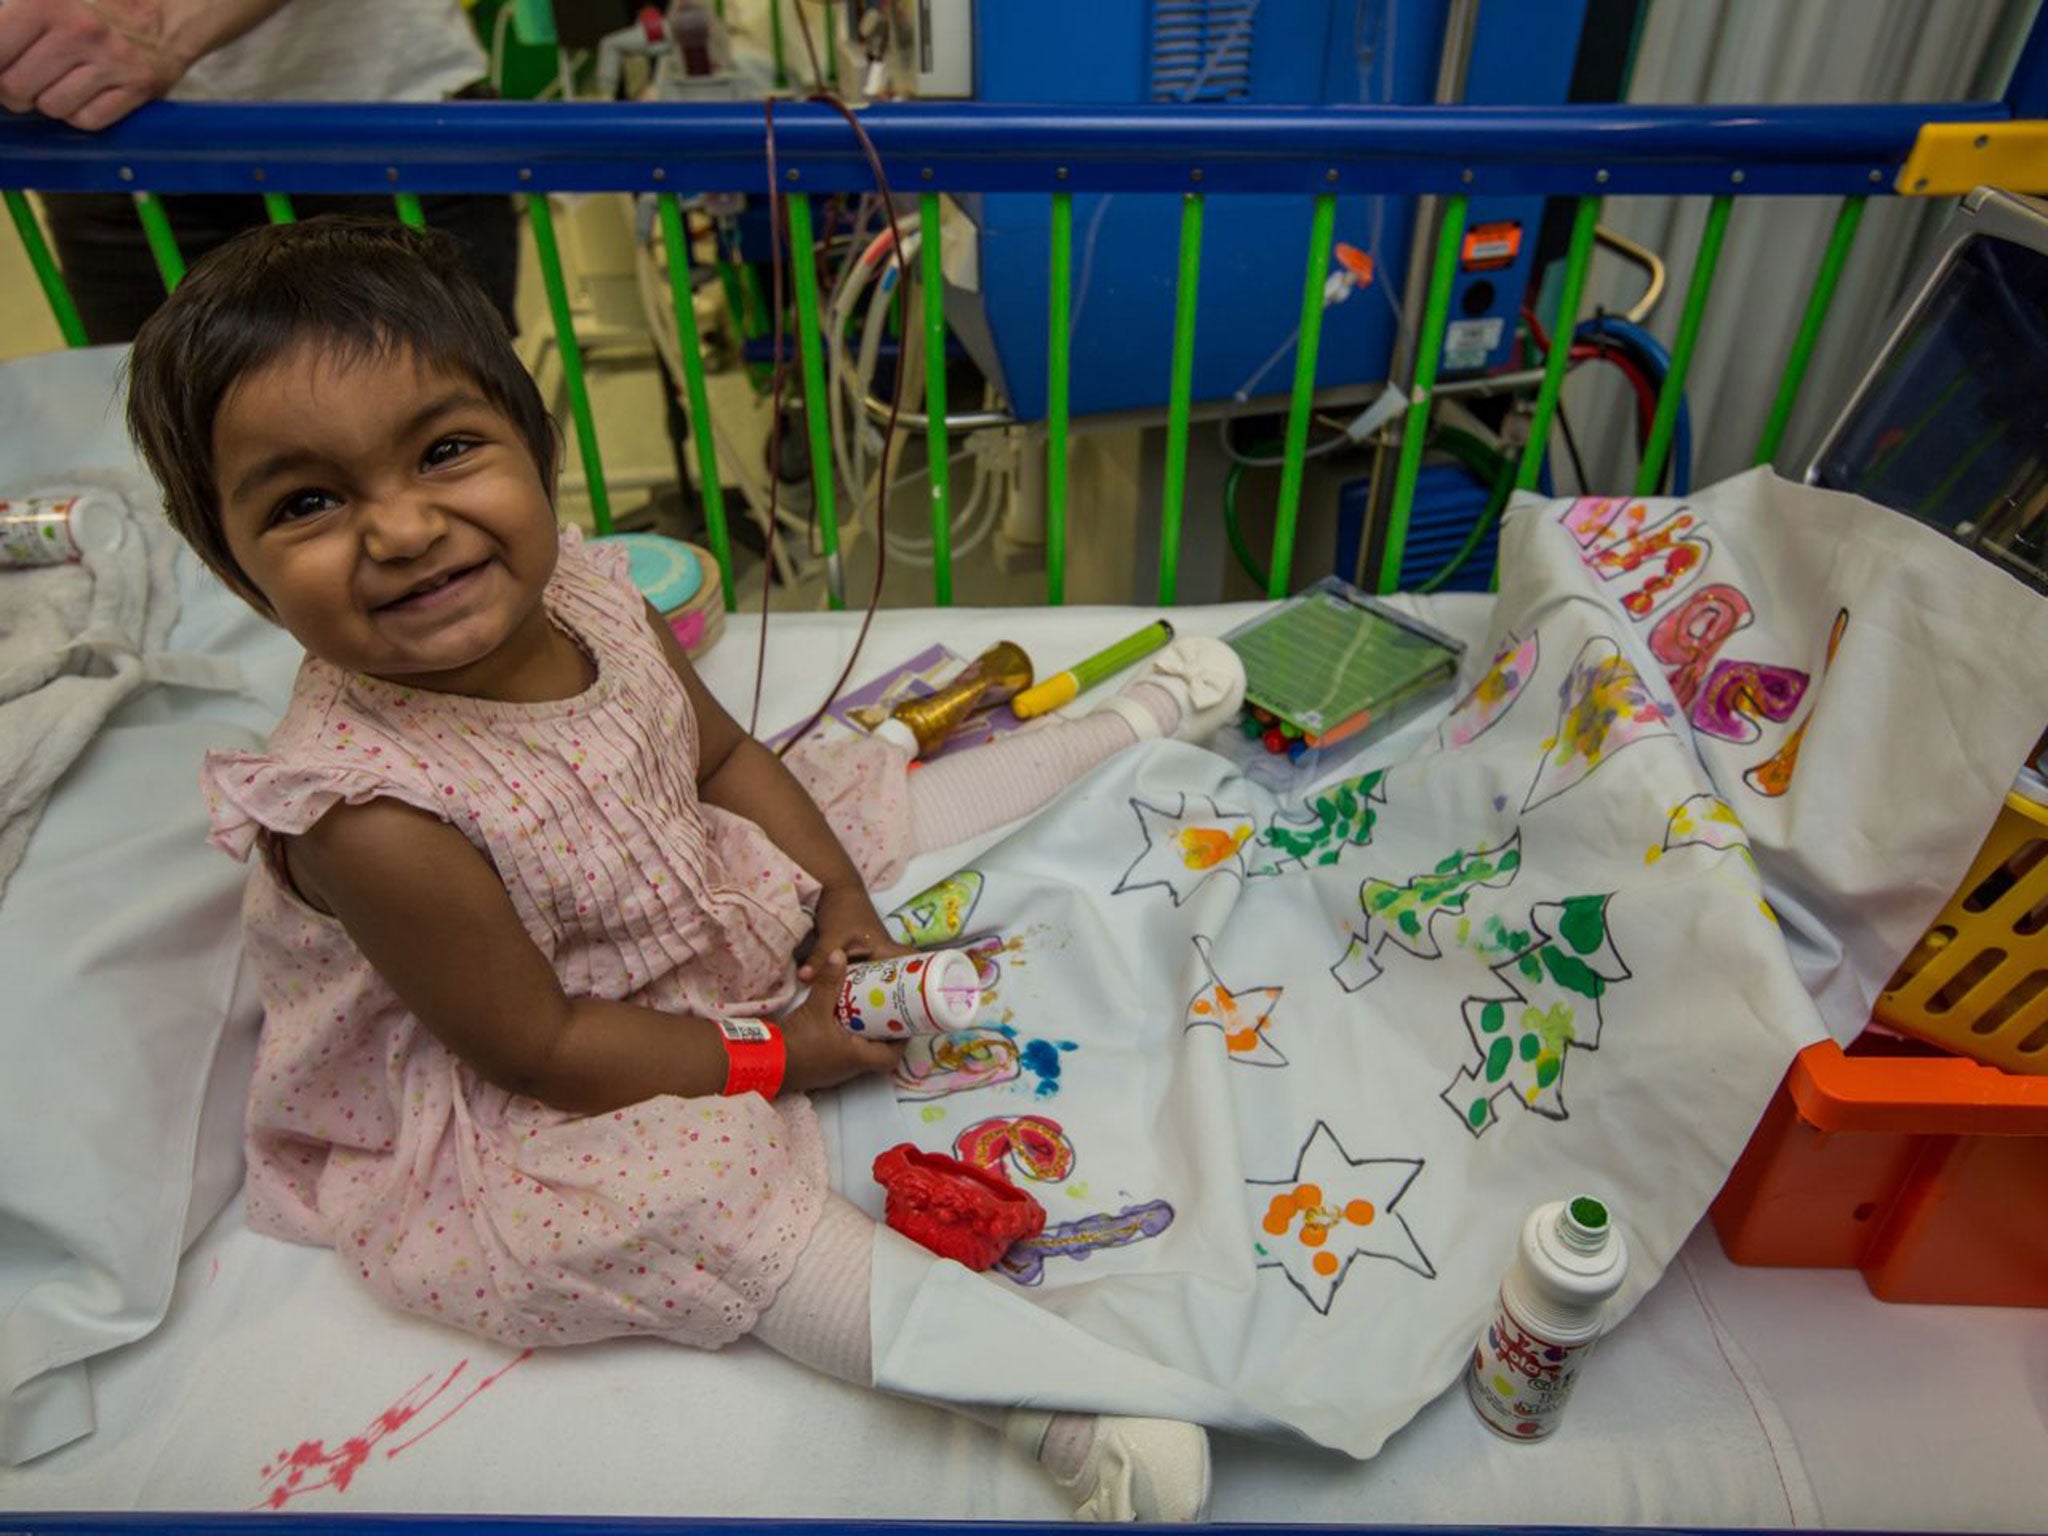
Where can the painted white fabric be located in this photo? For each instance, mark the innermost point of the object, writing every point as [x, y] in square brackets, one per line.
[1298, 1072]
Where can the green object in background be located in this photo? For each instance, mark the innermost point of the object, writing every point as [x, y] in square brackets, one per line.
[409, 211]
[163, 244]
[278, 208]
[1429, 349]
[1832, 260]
[1658, 446]
[1585, 223]
[1060, 287]
[691, 345]
[803, 249]
[542, 219]
[1321, 227]
[47, 272]
[932, 248]
[524, 69]
[1180, 393]
[533, 23]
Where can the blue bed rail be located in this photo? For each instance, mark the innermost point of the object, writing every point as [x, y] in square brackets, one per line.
[677, 151]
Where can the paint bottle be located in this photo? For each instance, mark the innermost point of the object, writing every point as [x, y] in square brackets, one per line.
[1553, 1304]
[58, 530]
[929, 993]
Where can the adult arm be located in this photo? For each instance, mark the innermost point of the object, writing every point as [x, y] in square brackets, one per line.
[91, 62]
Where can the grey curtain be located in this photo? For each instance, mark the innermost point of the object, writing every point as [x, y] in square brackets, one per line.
[1789, 51]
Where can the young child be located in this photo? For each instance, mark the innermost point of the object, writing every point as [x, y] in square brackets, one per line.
[520, 873]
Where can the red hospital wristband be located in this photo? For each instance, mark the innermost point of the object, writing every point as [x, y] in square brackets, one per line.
[755, 1056]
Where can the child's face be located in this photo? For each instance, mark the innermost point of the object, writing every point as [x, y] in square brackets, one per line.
[390, 517]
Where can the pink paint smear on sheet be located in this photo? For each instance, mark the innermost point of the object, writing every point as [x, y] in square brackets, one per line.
[310, 1467]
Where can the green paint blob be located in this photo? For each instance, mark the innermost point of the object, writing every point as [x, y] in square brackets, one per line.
[933, 1114]
[1511, 860]
[1552, 1025]
[1450, 863]
[1571, 973]
[1410, 923]
[1477, 1113]
[1532, 1047]
[1497, 1059]
[1546, 1071]
[1584, 925]
[1492, 1016]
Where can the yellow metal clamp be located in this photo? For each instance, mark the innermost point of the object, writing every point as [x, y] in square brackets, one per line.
[1949, 159]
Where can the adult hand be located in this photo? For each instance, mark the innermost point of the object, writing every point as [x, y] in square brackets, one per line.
[822, 1052]
[86, 62]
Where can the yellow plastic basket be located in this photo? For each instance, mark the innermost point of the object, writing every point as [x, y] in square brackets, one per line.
[1977, 982]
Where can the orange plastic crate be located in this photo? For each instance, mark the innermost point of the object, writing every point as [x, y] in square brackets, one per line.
[1927, 1172]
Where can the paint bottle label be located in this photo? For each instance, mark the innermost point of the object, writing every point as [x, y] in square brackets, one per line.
[921, 994]
[39, 531]
[1520, 1382]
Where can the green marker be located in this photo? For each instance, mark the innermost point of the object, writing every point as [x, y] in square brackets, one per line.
[1063, 687]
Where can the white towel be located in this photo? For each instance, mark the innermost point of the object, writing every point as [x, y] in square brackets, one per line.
[75, 640]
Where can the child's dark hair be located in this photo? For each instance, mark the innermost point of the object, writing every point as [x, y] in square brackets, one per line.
[361, 288]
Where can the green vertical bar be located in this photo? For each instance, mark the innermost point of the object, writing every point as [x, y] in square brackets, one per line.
[1651, 471]
[1181, 392]
[735, 301]
[817, 405]
[1831, 263]
[691, 345]
[48, 273]
[1429, 351]
[1578, 258]
[1060, 282]
[1294, 453]
[775, 38]
[543, 221]
[278, 208]
[163, 244]
[410, 212]
[931, 248]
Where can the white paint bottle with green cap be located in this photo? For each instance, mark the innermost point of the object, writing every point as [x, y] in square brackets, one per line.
[1553, 1304]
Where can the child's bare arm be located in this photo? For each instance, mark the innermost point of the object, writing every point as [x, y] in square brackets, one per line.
[736, 772]
[430, 913]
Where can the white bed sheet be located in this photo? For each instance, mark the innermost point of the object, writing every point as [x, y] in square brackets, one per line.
[1731, 1398]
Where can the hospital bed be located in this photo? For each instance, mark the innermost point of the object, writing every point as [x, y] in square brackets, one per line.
[1733, 1397]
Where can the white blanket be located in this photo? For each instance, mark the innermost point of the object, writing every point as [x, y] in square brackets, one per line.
[72, 641]
[1286, 1077]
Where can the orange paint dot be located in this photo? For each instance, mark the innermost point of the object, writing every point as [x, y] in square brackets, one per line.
[1242, 1040]
[1202, 1005]
[1361, 1212]
[1307, 1196]
[1277, 1223]
[1313, 1235]
[1324, 1263]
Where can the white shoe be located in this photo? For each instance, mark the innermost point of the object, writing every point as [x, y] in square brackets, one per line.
[1206, 679]
[1150, 1470]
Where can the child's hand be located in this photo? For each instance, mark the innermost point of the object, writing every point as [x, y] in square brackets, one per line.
[847, 925]
[822, 1052]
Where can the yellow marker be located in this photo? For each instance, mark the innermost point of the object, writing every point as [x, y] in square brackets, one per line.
[1063, 687]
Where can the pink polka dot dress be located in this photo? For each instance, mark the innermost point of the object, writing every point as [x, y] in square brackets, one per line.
[462, 1201]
